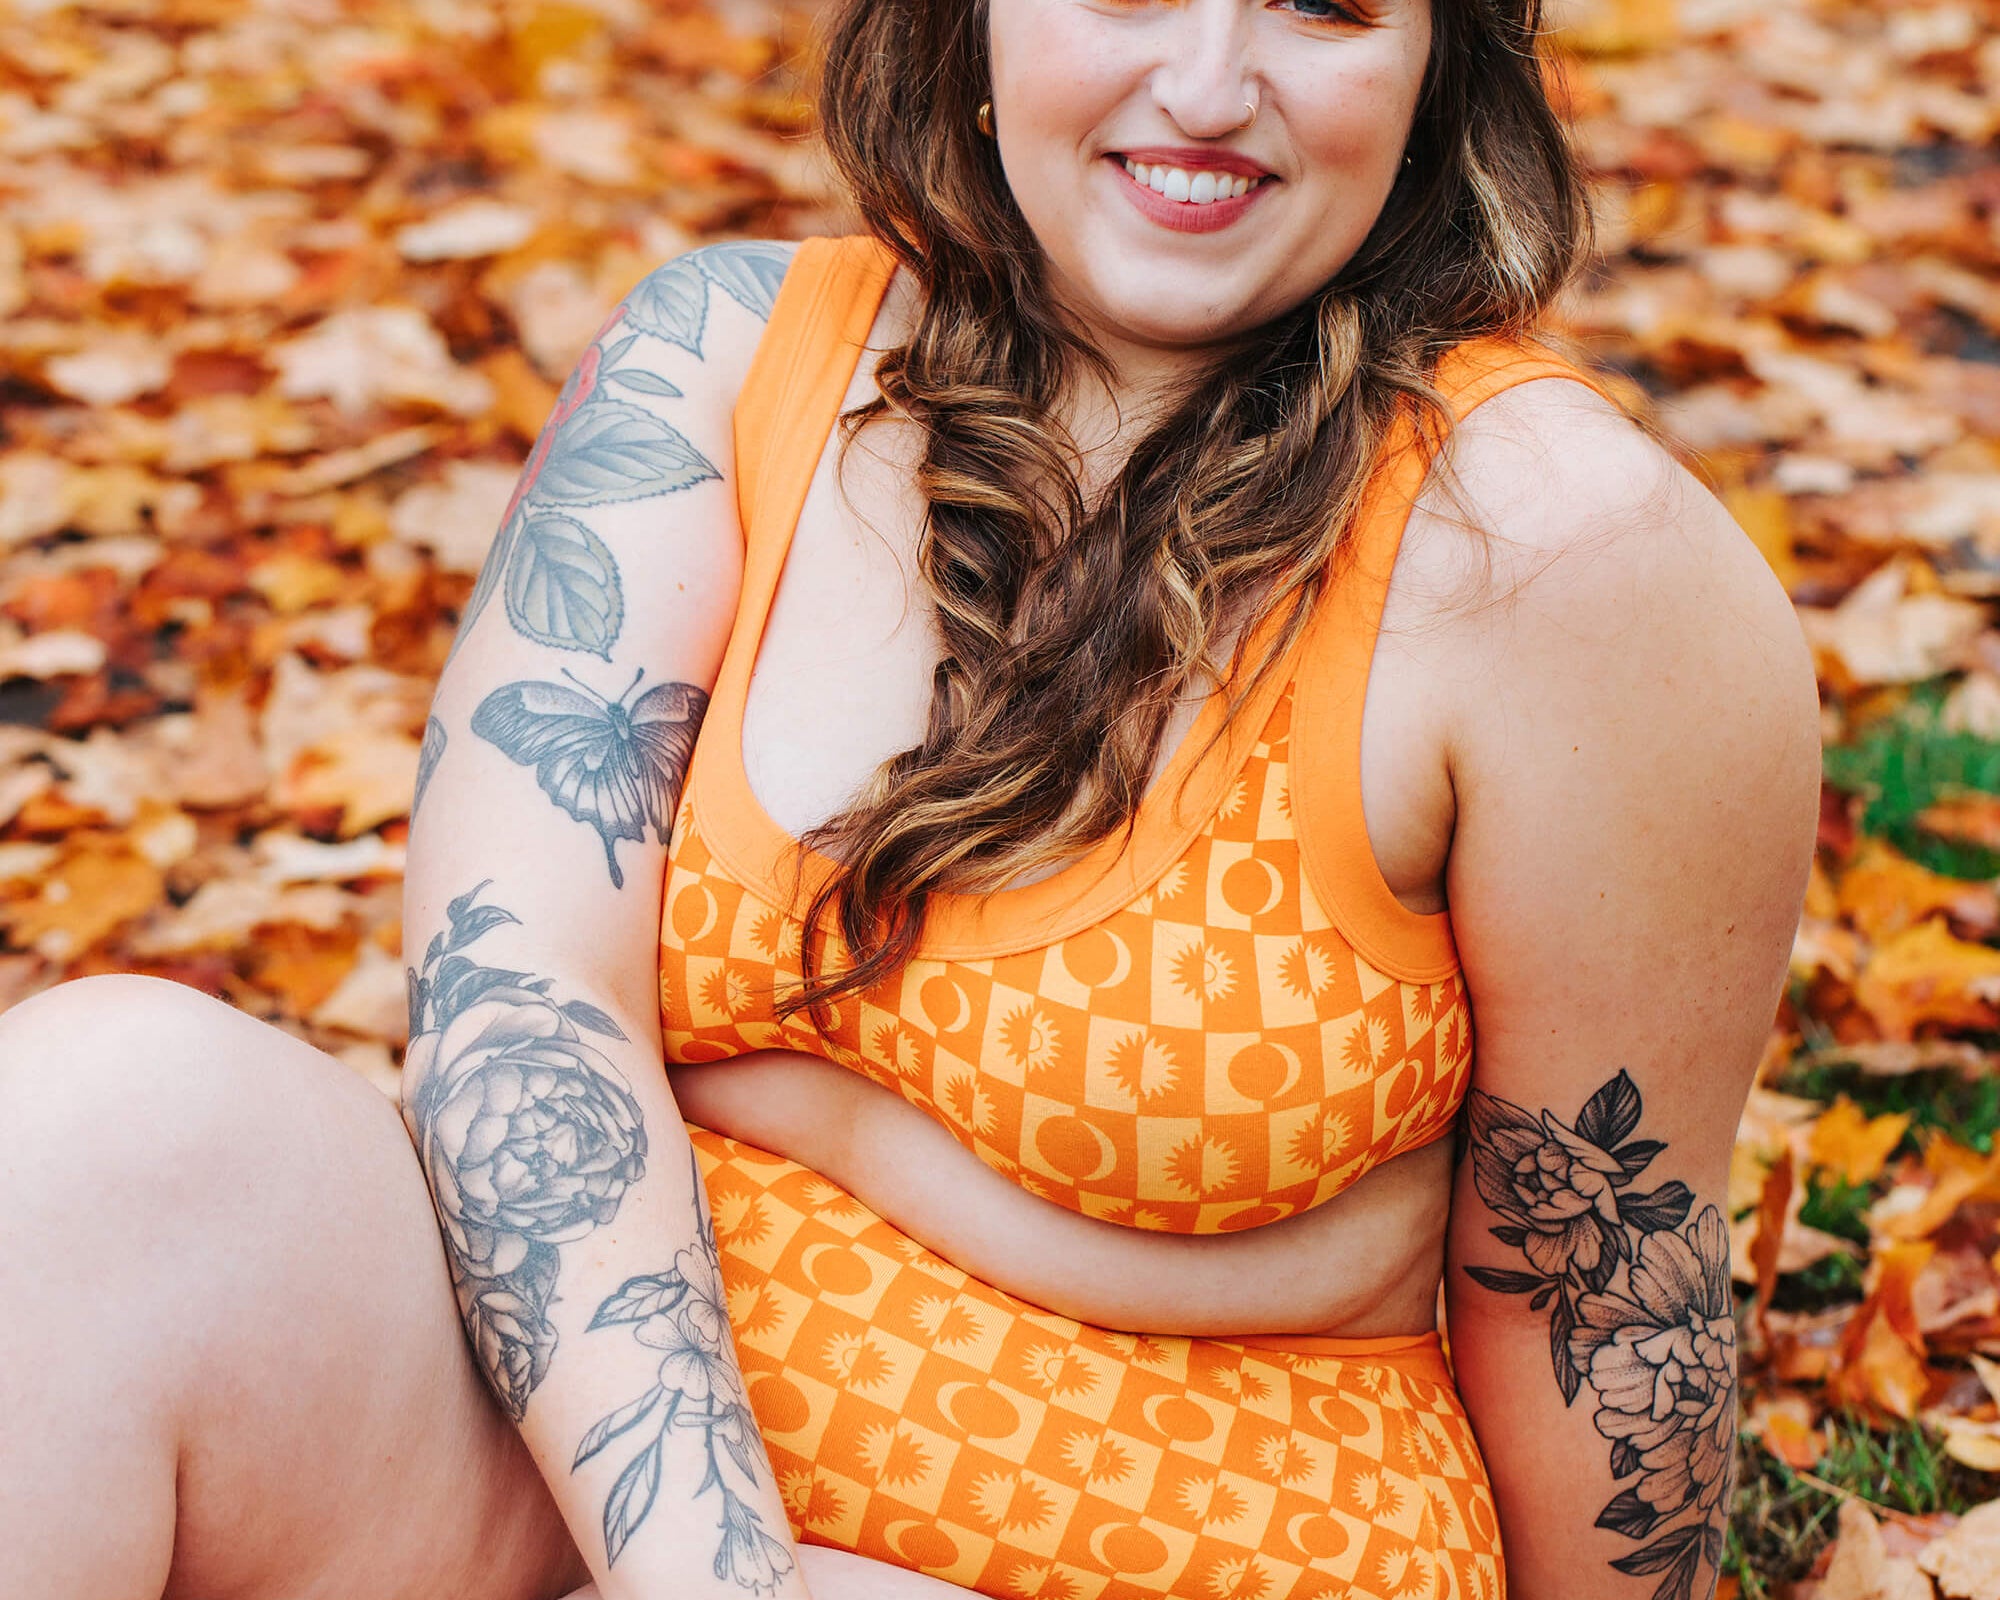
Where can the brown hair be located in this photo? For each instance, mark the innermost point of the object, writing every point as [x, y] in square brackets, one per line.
[1070, 630]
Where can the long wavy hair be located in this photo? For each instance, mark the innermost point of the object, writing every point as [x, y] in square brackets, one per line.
[1070, 630]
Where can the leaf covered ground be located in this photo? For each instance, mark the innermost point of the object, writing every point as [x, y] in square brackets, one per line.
[286, 290]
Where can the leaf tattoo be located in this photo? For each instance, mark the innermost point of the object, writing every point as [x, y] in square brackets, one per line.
[561, 583]
[529, 1139]
[682, 1314]
[615, 767]
[429, 754]
[1640, 1310]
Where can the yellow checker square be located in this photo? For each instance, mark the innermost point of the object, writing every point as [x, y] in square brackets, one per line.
[1131, 1067]
[1302, 979]
[894, 1456]
[1104, 1461]
[1007, 1501]
[820, 1501]
[1059, 1373]
[872, 1363]
[786, 1313]
[1175, 952]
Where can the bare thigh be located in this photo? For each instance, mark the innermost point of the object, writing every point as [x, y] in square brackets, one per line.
[230, 1362]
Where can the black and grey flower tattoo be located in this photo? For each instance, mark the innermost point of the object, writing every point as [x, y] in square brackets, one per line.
[1640, 1310]
[696, 1394]
[529, 1138]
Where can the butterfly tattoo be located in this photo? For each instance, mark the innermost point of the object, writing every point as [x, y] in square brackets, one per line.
[616, 766]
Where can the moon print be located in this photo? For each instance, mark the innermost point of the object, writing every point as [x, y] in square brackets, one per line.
[1097, 958]
[695, 911]
[1177, 1417]
[836, 1269]
[1129, 1550]
[946, 1003]
[1080, 1152]
[921, 1542]
[980, 1412]
[1317, 1534]
[1252, 887]
[1265, 1070]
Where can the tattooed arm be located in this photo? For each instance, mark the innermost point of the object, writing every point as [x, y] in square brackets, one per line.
[573, 1219]
[1637, 795]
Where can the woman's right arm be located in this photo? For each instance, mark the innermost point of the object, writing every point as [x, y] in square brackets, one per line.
[573, 1216]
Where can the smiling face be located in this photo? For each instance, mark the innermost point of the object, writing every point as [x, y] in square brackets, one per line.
[1167, 225]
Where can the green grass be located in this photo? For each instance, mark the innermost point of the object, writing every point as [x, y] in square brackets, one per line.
[1782, 1518]
[1966, 1109]
[1906, 761]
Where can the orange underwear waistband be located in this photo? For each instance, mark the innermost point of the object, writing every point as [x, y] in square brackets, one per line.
[920, 1417]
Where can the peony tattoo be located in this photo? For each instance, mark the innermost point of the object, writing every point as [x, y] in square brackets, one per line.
[528, 1135]
[1640, 1309]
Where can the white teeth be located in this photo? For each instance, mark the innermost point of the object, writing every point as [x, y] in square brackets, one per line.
[1190, 188]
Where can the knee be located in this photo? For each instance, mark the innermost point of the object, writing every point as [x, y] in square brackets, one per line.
[125, 1079]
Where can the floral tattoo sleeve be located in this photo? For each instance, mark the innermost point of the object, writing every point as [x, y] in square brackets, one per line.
[528, 1134]
[697, 1394]
[1640, 1311]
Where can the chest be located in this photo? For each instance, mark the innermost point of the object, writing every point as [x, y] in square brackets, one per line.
[843, 674]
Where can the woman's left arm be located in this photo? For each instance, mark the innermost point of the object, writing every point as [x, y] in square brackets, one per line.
[1637, 780]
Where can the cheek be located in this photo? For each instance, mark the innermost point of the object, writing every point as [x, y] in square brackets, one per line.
[1360, 122]
[1056, 75]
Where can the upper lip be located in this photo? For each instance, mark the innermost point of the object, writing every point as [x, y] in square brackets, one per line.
[1196, 160]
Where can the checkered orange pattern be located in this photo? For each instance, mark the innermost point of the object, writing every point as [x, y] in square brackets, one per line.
[920, 1417]
[1212, 1056]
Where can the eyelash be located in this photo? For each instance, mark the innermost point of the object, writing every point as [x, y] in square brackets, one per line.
[1340, 15]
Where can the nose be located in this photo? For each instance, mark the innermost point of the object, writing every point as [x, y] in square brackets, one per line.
[1204, 80]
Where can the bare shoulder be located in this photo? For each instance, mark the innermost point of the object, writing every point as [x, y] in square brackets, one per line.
[1582, 566]
[706, 310]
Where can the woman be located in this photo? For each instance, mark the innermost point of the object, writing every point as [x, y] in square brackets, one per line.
[1077, 1191]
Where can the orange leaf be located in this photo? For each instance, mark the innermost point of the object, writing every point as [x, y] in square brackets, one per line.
[1771, 1208]
[86, 897]
[1882, 893]
[1927, 975]
[1853, 1145]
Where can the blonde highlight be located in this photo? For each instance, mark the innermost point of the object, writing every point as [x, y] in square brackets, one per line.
[1071, 630]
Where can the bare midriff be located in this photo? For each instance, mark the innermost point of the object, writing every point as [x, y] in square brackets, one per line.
[1364, 1264]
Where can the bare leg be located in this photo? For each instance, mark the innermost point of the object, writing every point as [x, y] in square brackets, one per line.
[230, 1362]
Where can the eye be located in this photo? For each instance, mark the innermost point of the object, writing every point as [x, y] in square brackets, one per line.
[1329, 12]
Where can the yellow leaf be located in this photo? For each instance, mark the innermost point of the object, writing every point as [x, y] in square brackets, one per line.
[1855, 1146]
[1883, 892]
[1925, 974]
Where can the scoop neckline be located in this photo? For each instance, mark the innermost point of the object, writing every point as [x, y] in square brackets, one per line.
[786, 872]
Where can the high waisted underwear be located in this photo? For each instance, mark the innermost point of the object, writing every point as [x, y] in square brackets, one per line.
[918, 1416]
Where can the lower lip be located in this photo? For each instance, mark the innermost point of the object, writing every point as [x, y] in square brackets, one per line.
[1183, 216]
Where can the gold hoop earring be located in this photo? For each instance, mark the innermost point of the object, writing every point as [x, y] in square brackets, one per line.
[985, 118]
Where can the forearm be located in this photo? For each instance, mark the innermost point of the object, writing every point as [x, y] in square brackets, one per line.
[836, 1575]
[585, 1266]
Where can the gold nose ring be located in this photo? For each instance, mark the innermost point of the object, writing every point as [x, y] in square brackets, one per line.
[1251, 116]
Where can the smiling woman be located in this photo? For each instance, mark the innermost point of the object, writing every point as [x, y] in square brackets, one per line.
[1050, 717]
